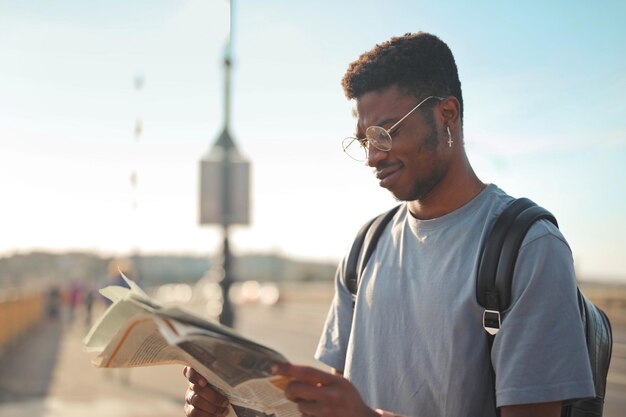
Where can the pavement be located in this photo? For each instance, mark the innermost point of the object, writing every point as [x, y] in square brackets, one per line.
[33, 358]
[47, 374]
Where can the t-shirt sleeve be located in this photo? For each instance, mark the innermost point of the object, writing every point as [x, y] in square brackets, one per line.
[539, 354]
[333, 343]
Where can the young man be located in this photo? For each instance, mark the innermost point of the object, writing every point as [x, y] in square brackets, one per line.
[413, 344]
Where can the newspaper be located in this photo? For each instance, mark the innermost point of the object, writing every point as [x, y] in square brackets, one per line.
[137, 331]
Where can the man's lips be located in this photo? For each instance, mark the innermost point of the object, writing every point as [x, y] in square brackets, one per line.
[387, 174]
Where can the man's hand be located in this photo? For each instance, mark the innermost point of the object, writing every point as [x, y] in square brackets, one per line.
[321, 394]
[201, 400]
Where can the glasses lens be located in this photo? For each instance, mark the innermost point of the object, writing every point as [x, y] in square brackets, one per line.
[354, 149]
[379, 137]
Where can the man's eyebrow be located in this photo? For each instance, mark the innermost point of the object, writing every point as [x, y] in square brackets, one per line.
[380, 124]
[383, 122]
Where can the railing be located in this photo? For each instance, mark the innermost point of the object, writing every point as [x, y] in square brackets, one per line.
[18, 312]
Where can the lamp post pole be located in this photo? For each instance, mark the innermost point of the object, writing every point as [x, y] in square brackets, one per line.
[224, 188]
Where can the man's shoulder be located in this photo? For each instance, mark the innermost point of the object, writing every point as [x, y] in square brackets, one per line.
[495, 198]
[544, 231]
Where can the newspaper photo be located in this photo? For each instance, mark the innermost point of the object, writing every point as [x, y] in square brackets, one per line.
[137, 331]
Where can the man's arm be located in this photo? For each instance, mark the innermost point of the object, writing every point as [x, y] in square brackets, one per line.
[552, 409]
[526, 410]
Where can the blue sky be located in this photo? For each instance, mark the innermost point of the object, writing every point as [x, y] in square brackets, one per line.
[543, 86]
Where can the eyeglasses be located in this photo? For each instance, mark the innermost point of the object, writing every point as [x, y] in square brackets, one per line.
[378, 137]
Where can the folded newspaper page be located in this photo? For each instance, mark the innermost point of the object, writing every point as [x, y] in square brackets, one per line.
[137, 331]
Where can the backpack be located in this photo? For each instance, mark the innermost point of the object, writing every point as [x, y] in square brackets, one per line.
[493, 288]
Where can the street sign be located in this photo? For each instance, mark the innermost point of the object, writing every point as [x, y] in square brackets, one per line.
[220, 206]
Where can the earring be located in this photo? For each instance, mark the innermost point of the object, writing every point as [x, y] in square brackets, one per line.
[449, 137]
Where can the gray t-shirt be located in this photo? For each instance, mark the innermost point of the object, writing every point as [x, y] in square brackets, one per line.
[415, 344]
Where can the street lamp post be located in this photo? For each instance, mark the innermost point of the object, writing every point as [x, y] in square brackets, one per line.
[225, 188]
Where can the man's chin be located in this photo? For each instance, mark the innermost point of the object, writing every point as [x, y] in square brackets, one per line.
[413, 195]
[400, 197]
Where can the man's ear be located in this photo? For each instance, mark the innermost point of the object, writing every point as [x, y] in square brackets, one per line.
[450, 110]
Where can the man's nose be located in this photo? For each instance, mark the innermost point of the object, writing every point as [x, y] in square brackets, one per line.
[374, 155]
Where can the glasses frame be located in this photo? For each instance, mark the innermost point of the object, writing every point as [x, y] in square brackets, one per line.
[365, 142]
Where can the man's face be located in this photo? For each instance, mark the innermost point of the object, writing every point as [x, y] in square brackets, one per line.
[418, 159]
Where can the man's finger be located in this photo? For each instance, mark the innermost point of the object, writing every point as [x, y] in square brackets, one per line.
[310, 408]
[214, 406]
[306, 374]
[209, 394]
[194, 377]
[298, 391]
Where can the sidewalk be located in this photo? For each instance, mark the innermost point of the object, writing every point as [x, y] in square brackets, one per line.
[26, 367]
[49, 375]
[76, 388]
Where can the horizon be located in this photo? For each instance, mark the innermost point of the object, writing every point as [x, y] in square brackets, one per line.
[210, 257]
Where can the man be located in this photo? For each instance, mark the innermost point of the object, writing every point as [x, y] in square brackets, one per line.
[414, 344]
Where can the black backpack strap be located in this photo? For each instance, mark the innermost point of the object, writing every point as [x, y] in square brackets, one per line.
[495, 271]
[510, 249]
[486, 291]
[350, 272]
[363, 247]
[497, 264]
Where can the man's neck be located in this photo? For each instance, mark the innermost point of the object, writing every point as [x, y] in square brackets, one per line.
[453, 192]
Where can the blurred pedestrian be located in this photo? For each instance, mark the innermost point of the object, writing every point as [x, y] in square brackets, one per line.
[53, 302]
[73, 298]
[88, 303]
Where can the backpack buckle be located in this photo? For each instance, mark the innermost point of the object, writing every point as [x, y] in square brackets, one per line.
[491, 321]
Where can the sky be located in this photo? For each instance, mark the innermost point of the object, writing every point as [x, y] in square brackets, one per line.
[543, 86]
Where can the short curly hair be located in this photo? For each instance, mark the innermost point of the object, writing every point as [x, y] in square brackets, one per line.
[419, 63]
